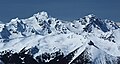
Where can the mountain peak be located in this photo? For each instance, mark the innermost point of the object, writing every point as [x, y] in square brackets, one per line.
[41, 15]
[91, 15]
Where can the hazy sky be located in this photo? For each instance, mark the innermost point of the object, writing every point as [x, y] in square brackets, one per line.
[61, 9]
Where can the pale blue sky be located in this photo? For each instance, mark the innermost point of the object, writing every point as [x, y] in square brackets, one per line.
[61, 9]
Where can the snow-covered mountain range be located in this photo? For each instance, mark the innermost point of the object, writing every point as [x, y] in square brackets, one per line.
[42, 39]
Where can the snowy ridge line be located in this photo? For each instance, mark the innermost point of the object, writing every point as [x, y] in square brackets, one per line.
[78, 52]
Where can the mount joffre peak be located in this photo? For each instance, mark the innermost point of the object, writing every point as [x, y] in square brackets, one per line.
[41, 39]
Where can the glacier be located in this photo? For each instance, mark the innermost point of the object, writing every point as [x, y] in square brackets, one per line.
[47, 40]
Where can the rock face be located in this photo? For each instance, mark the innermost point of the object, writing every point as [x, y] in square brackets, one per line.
[41, 39]
[118, 23]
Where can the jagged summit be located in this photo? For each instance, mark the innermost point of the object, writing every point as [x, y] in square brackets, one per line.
[91, 21]
[41, 15]
[45, 38]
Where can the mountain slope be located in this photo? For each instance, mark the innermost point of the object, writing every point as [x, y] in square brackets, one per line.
[44, 39]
